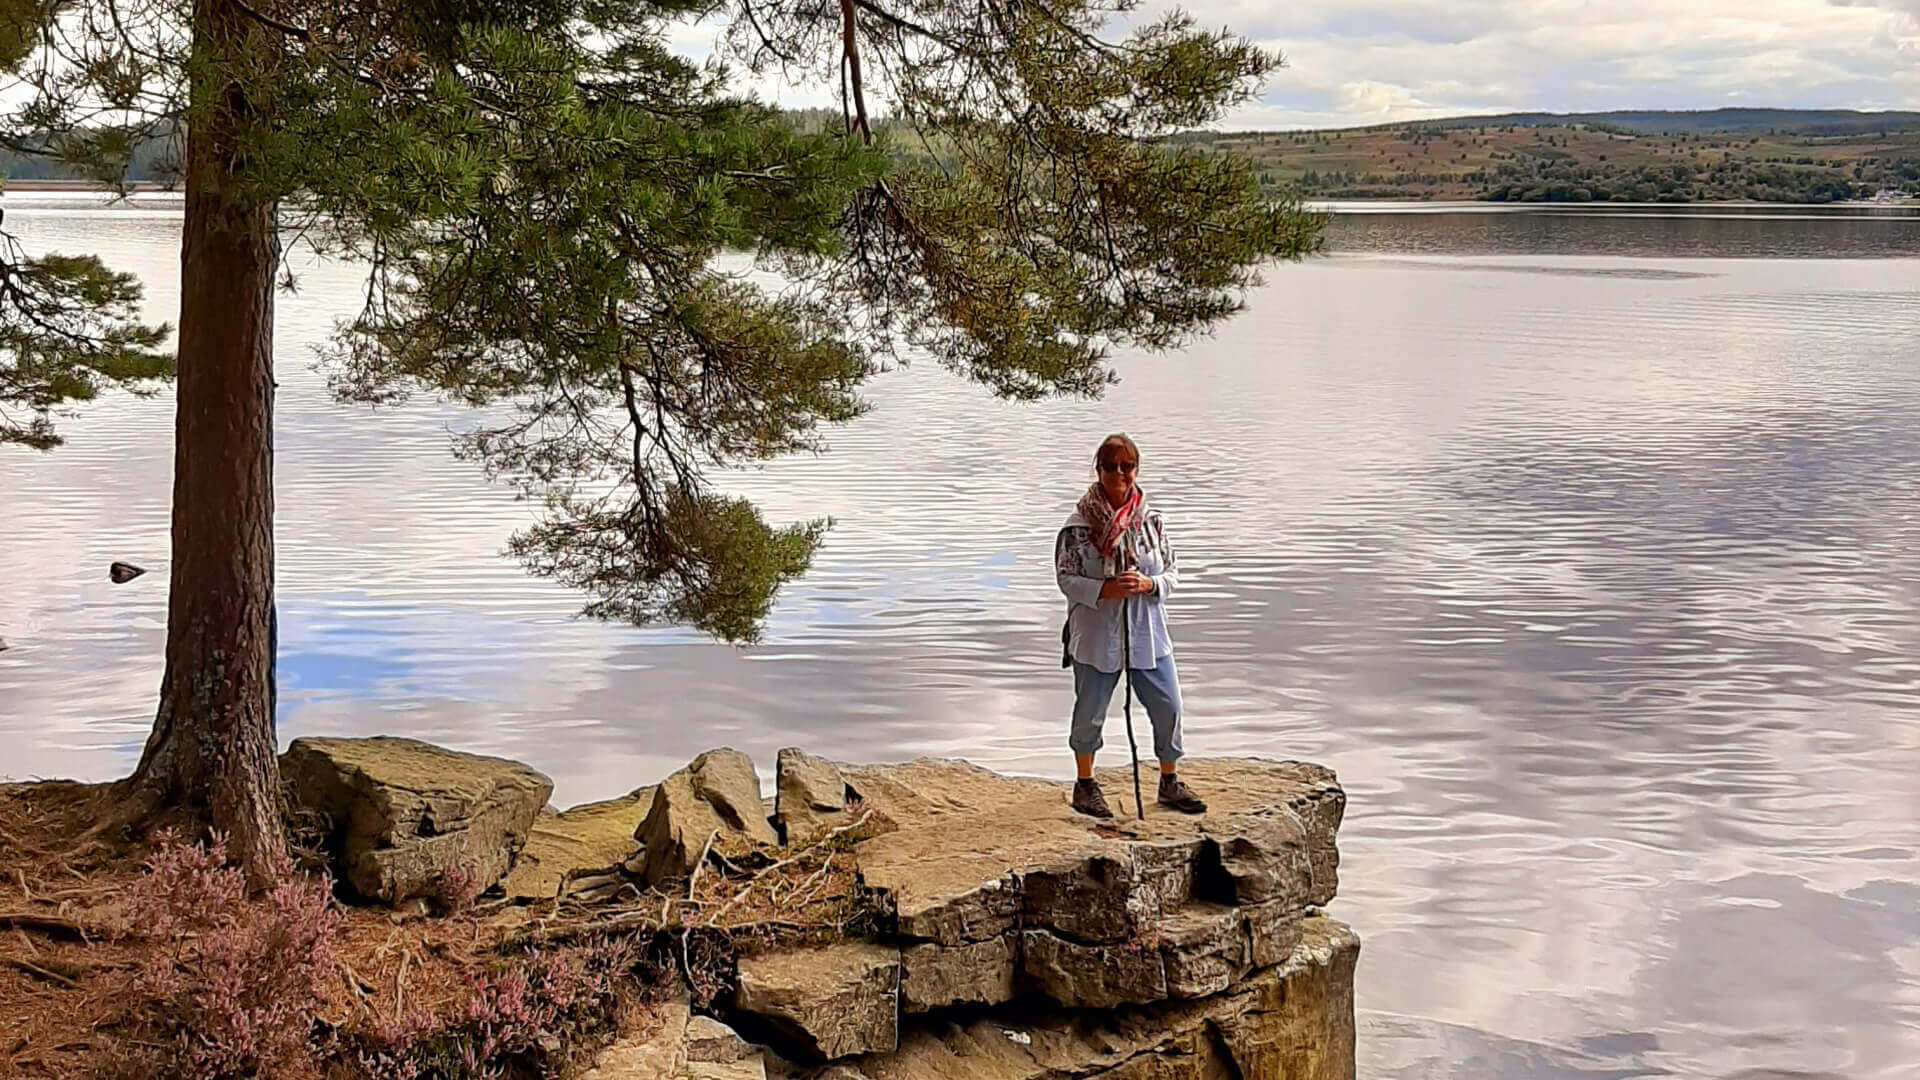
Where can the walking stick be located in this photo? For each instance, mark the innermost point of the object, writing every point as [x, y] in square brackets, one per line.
[1126, 707]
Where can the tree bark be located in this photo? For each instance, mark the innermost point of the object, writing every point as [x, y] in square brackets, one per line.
[212, 748]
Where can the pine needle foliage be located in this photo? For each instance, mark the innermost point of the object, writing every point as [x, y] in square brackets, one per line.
[644, 273]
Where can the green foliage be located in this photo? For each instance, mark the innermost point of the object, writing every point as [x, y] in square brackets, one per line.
[656, 276]
[69, 328]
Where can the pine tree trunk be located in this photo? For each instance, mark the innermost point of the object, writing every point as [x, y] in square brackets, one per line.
[212, 748]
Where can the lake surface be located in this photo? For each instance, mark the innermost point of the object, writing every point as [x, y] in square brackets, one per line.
[1585, 546]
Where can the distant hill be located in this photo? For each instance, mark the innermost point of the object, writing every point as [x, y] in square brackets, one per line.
[1765, 155]
[1706, 121]
[1758, 155]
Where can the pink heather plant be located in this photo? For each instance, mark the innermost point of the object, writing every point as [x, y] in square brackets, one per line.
[519, 1016]
[234, 991]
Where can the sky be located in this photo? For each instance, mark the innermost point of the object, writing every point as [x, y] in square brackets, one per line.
[1357, 62]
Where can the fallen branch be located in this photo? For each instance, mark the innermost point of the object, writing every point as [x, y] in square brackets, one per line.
[37, 970]
[50, 925]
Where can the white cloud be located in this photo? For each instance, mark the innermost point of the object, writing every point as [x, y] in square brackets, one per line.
[1353, 62]
[1373, 61]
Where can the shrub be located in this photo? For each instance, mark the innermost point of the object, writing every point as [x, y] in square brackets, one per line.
[233, 991]
[519, 1017]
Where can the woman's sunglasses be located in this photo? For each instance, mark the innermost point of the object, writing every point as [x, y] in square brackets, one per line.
[1119, 466]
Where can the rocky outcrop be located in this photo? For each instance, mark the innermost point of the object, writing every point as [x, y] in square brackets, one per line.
[716, 796]
[974, 852]
[1291, 1021]
[971, 926]
[407, 819]
[999, 893]
[583, 846]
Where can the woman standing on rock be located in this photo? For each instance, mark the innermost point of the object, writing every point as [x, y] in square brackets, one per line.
[1116, 569]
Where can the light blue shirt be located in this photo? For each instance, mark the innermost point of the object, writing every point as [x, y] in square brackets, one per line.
[1094, 628]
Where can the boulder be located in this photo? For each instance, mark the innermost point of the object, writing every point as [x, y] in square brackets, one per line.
[410, 819]
[810, 796]
[833, 1001]
[934, 976]
[591, 839]
[718, 794]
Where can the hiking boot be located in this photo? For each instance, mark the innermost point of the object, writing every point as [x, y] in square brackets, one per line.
[1088, 799]
[1176, 795]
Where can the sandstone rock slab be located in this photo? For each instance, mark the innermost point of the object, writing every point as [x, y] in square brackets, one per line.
[810, 796]
[587, 839]
[410, 819]
[711, 1042]
[973, 853]
[1095, 896]
[717, 793]
[833, 1001]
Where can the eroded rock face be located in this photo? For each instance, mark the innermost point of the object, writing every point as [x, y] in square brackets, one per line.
[1293, 1021]
[833, 1002]
[1092, 976]
[411, 819]
[934, 976]
[717, 793]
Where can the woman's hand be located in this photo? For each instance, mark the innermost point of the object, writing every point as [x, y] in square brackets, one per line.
[1127, 584]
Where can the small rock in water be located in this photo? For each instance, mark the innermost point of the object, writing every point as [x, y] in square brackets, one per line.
[3, 644]
[121, 572]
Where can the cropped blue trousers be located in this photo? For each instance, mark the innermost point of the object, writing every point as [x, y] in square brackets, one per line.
[1158, 688]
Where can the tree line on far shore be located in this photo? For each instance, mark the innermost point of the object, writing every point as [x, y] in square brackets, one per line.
[1514, 163]
[1576, 163]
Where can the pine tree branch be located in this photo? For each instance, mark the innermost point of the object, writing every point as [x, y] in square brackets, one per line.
[261, 17]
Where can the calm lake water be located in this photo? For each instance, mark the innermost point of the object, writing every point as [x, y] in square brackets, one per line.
[1585, 546]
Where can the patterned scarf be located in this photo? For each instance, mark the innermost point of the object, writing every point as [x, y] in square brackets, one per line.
[1109, 522]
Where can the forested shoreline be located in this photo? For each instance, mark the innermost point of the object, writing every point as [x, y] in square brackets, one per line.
[1813, 158]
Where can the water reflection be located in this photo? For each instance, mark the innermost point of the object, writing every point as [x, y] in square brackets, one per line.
[1591, 574]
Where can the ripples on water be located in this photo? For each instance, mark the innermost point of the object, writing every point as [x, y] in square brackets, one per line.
[1594, 577]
